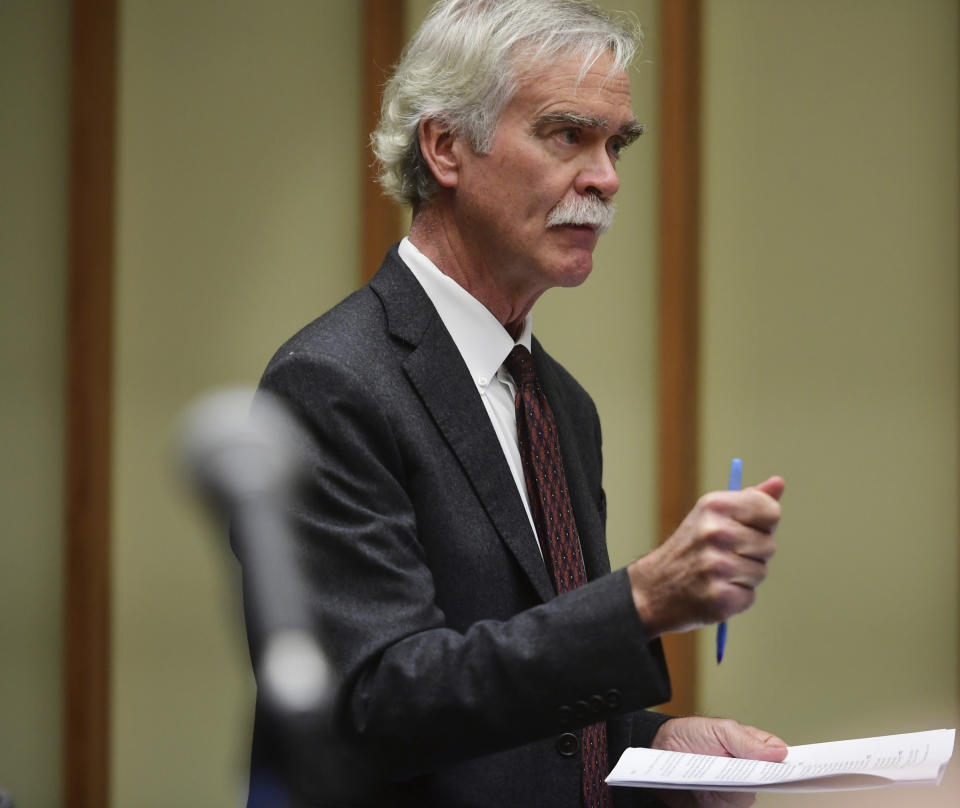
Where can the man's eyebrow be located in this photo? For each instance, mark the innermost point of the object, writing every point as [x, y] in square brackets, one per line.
[630, 131]
[571, 118]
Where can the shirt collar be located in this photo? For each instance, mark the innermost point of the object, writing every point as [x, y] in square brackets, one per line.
[481, 339]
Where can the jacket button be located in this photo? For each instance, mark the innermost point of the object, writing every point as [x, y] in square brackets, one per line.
[567, 744]
[614, 699]
[565, 714]
[596, 704]
[581, 710]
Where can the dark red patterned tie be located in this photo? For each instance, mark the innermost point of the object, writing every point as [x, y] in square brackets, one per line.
[556, 532]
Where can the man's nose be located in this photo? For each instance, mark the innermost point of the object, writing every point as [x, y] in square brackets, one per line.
[598, 175]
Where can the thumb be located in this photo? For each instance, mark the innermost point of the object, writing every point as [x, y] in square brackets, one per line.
[772, 487]
[742, 741]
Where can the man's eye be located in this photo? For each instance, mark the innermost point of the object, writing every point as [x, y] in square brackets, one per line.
[617, 147]
[571, 136]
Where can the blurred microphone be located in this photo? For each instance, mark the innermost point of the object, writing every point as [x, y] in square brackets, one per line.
[5, 800]
[244, 460]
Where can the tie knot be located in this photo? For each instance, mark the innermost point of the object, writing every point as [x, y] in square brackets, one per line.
[520, 364]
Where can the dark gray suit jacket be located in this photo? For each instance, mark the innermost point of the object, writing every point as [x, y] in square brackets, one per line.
[465, 679]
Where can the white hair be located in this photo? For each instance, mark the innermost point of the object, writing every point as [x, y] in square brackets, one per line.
[462, 68]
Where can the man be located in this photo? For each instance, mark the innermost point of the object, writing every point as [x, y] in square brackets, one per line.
[485, 652]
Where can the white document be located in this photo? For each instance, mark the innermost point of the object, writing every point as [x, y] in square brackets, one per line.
[914, 758]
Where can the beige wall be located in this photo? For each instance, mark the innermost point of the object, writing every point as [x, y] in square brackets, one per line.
[830, 349]
[34, 83]
[239, 160]
[831, 354]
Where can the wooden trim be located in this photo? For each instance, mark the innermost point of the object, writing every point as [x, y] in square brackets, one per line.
[383, 36]
[89, 350]
[680, 23]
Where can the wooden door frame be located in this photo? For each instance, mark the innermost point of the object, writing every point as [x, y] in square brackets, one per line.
[86, 665]
[679, 301]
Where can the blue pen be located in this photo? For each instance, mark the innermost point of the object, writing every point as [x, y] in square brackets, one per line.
[736, 477]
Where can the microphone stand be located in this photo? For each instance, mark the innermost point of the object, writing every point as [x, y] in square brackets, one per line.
[246, 463]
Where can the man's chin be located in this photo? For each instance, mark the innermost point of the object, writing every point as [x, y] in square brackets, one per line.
[574, 269]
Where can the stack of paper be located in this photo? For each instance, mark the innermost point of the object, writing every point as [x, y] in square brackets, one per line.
[916, 758]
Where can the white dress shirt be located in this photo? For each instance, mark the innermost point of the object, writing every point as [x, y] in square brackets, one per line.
[484, 345]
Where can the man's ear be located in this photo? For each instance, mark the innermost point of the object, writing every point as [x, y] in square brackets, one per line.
[440, 148]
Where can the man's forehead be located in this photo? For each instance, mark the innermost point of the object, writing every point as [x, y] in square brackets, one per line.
[562, 89]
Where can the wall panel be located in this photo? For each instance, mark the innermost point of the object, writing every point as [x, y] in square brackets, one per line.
[830, 345]
[239, 174]
[34, 171]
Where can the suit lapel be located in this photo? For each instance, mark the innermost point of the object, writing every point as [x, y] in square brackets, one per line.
[440, 377]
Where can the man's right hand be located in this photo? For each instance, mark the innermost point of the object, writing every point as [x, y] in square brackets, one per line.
[709, 568]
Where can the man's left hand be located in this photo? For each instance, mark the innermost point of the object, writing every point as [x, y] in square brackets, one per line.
[718, 736]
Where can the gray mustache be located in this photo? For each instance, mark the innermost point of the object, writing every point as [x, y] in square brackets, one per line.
[583, 210]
